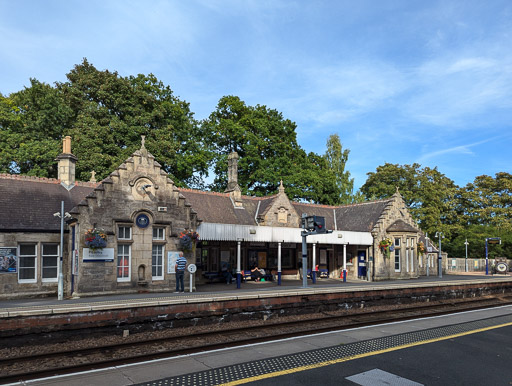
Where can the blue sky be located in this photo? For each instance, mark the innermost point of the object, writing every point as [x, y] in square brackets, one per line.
[399, 81]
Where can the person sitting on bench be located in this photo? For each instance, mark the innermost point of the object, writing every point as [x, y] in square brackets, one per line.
[256, 274]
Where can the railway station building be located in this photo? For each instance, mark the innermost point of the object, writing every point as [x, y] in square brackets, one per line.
[124, 233]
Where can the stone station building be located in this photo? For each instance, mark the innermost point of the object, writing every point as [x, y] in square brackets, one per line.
[142, 214]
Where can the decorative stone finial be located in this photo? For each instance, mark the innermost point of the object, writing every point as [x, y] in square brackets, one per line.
[93, 176]
[143, 141]
[281, 187]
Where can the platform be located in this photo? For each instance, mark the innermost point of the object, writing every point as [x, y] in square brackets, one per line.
[220, 291]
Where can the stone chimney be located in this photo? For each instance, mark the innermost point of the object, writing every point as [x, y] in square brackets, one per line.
[233, 189]
[67, 163]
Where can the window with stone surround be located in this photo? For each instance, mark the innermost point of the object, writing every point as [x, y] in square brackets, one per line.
[27, 266]
[158, 233]
[157, 262]
[124, 232]
[123, 262]
[397, 242]
[50, 263]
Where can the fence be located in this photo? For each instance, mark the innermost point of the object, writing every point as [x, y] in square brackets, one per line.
[455, 264]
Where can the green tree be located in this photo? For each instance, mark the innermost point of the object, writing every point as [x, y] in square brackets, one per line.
[112, 112]
[268, 149]
[33, 121]
[106, 114]
[429, 194]
[337, 158]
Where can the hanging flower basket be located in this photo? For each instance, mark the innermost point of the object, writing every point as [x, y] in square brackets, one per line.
[421, 248]
[95, 239]
[188, 239]
[385, 246]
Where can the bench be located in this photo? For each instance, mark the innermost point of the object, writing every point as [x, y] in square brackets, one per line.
[321, 273]
[266, 276]
[213, 276]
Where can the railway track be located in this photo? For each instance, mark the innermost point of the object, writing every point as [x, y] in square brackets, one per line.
[44, 363]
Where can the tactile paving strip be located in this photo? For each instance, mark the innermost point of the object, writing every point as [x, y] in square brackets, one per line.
[287, 362]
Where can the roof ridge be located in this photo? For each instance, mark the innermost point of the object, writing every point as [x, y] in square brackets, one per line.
[222, 194]
[29, 178]
[365, 203]
[47, 180]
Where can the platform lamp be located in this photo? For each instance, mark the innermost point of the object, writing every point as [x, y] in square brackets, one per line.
[238, 262]
[440, 257]
[62, 216]
[427, 262]
[466, 244]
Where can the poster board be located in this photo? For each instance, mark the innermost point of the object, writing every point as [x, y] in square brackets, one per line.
[172, 257]
[8, 259]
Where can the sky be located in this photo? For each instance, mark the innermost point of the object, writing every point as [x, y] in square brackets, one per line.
[400, 82]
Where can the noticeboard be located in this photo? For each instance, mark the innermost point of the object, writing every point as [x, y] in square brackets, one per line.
[8, 259]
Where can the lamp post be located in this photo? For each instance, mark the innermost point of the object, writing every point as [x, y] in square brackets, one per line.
[440, 257]
[238, 263]
[466, 244]
[60, 285]
[426, 253]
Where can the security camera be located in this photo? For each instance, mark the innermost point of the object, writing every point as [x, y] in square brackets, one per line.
[56, 214]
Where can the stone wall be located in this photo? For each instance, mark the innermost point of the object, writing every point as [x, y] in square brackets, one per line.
[9, 284]
[138, 186]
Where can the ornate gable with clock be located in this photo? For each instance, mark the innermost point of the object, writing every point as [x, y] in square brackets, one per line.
[142, 213]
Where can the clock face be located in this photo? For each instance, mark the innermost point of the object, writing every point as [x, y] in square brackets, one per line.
[142, 220]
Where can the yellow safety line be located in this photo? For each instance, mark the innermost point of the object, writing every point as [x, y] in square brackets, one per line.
[352, 357]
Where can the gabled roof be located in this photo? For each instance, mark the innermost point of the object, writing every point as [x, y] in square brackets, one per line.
[28, 203]
[401, 226]
[212, 207]
[360, 217]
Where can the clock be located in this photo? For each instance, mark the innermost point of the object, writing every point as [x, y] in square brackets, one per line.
[142, 220]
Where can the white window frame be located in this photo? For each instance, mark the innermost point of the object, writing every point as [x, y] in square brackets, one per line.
[20, 258]
[158, 236]
[397, 255]
[52, 279]
[161, 277]
[122, 235]
[118, 267]
[397, 242]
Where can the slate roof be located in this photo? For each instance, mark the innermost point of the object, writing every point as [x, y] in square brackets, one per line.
[28, 203]
[218, 208]
[213, 207]
[360, 217]
[401, 226]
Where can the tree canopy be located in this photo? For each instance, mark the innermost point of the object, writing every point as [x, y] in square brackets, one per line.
[106, 114]
[337, 158]
[479, 210]
[268, 149]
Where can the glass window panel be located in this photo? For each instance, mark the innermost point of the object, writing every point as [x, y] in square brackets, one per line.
[50, 249]
[157, 261]
[125, 233]
[28, 249]
[158, 233]
[123, 261]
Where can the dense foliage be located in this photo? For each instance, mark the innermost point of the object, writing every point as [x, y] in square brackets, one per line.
[480, 210]
[106, 114]
[267, 146]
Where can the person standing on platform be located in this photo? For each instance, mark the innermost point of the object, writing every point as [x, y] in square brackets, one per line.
[181, 265]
